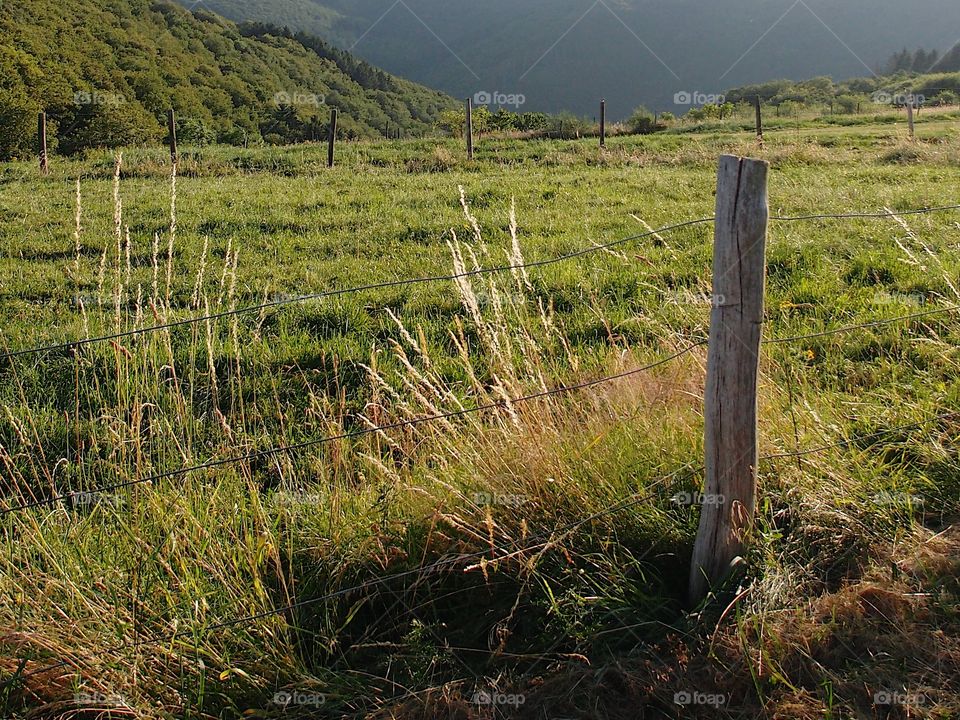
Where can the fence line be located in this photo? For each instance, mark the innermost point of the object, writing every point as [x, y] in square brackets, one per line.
[440, 564]
[499, 404]
[862, 326]
[388, 284]
[844, 216]
[682, 474]
[750, 199]
[458, 413]
[467, 411]
[860, 438]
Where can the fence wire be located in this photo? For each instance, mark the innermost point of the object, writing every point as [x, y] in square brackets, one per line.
[390, 284]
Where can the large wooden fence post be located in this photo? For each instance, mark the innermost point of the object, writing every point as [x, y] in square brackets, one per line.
[603, 123]
[42, 141]
[730, 403]
[469, 128]
[332, 140]
[172, 135]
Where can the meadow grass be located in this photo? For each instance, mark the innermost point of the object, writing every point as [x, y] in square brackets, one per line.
[532, 549]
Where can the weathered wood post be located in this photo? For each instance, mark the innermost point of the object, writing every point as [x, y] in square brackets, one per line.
[172, 135]
[730, 402]
[910, 124]
[603, 123]
[759, 119]
[469, 128]
[42, 141]
[332, 139]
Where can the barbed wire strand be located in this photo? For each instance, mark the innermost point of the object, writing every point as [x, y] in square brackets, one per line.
[373, 582]
[453, 414]
[361, 432]
[861, 438]
[862, 326]
[384, 285]
[505, 555]
[388, 284]
[865, 215]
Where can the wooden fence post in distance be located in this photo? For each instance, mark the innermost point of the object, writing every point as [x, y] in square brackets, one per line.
[172, 135]
[603, 123]
[469, 128]
[730, 402]
[42, 140]
[332, 140]
[913, 132]
[759, 119]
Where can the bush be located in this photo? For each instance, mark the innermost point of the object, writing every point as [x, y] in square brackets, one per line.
[108, 126]
[530, 121]
[192, 131]
[641, 121]
[18, 129]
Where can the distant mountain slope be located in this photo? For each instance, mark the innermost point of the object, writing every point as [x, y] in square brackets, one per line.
[106, 71]
[565, 54]
[950, 61]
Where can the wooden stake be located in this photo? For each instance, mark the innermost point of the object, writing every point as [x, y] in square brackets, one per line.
[172, 135]
[730, 403]
[759, 120]
[469, 128]
[913, 132]
[332, 138]
[603, 123]
[42, 140]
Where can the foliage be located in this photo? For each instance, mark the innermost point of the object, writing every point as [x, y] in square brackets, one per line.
[849, 95]
[107, 70]
[253, 565]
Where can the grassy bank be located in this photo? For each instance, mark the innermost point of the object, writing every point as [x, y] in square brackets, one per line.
[535, 551]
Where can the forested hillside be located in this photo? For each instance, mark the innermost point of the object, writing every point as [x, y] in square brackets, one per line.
[105, 71]
[566, 54]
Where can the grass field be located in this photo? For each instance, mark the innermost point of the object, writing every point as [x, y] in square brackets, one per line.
[535, 554]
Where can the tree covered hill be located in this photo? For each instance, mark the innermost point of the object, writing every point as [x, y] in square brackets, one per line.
[567, 54]
[106, 71]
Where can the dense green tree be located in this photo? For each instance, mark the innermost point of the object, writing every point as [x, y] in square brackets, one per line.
[106, 71]
[18, 122]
